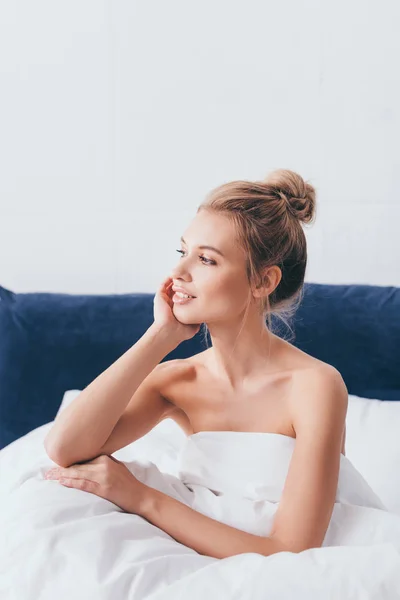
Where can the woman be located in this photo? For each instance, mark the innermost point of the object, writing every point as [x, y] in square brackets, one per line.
[265, 421]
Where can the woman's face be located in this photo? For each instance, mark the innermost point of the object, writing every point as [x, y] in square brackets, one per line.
[217, 280]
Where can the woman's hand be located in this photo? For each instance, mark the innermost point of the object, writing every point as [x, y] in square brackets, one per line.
[107, 477]
[164, 316]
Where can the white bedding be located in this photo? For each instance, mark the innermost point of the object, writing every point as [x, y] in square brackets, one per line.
[59, 542]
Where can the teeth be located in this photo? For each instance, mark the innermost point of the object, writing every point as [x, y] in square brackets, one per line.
[183, 295]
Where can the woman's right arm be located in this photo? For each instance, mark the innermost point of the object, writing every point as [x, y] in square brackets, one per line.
[99, 420]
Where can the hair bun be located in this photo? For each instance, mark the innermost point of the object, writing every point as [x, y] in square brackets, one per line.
[297, 195]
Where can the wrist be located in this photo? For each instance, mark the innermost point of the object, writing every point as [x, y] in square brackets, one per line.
[163, 336]
[150, 498]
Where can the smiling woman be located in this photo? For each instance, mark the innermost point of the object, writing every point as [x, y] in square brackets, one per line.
[267, 218]
[252, 265]
[260, 471]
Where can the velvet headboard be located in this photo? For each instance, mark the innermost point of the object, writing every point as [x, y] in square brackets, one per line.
[50, 343]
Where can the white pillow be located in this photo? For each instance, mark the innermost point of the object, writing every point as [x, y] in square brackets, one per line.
[372, 444]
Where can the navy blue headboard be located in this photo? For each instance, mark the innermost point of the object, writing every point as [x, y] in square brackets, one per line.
[50, 343]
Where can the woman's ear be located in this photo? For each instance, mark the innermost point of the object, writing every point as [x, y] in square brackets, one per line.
[270, 281]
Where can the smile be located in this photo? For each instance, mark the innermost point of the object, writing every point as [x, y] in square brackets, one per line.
[179, 298]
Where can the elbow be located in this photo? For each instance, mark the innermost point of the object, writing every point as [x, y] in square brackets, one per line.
[65, 460]
[50, 447]
[54, 455]
[280, 546]
[295, 548]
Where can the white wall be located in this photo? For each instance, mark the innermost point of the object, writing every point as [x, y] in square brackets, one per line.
[117, 118]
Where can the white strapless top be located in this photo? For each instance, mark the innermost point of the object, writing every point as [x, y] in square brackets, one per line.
[255, 465]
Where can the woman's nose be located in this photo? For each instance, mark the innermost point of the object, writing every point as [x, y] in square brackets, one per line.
[179, 269]
[178, 273]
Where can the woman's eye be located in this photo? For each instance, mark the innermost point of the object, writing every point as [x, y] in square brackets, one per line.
[207, 261]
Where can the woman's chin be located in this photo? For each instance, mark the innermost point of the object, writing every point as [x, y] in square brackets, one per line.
[182, 313]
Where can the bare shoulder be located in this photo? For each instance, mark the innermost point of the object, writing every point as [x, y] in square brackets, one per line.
[319, 370]
[318, 387]
[170, 370]
[319, 399]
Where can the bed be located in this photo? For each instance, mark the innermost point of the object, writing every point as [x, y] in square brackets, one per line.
[53, 345]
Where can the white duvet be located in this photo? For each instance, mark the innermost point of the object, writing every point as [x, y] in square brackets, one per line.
[62, 543]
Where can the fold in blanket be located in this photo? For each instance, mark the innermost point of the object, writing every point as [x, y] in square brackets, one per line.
[60, 541]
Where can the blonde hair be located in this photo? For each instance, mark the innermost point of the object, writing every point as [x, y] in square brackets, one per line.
[268, 217]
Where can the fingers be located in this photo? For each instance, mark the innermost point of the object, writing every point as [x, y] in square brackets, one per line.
[169, 289]
[80, 484]
[70, 472]
[166, 283]
[165, 287]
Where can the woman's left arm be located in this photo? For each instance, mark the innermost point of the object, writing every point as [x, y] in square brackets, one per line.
[109, 478]
[204, 534]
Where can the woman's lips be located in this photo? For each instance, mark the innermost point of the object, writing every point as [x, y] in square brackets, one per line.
[179, 300]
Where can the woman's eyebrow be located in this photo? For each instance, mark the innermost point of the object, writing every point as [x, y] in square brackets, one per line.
[206, 248]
